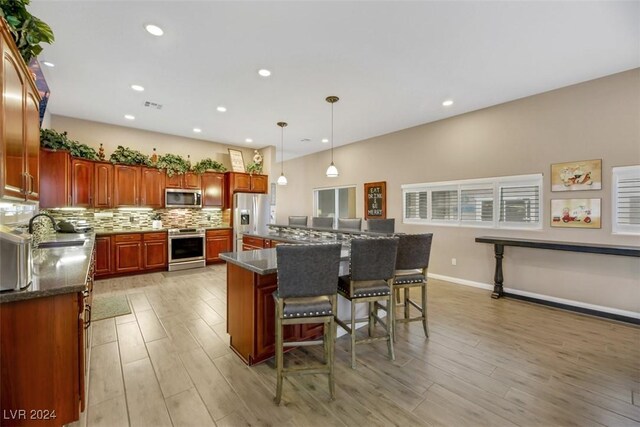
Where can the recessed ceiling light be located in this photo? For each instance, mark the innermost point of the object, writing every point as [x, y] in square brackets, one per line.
[154, 30]
[197, 130]
[221, 109]
[264, 72]
[129, 117]
[447, 103]
[248, 140]
[48, 64]
[325, 140]
[137, 88]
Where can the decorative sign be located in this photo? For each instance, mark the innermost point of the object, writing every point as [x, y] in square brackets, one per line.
[237, 162]
[576, 176]
[575, 213]
[375, 200]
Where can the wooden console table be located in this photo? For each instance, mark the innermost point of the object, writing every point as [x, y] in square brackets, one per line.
[500, 242]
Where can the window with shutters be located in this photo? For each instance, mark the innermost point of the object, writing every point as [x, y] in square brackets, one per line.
[504, 202]
[626, 200]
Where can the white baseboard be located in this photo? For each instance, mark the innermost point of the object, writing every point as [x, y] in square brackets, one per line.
[487, 286]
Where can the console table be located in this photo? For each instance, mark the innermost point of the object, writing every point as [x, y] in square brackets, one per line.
[500, 242]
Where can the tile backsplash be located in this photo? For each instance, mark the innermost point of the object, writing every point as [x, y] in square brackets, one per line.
[110, 219]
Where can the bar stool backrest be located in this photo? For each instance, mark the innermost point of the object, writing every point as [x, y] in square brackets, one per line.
[322, 222]
[308, 270]
[382, 225]
[373, 259]
[413, 251]
[349, 224]
[298, 220]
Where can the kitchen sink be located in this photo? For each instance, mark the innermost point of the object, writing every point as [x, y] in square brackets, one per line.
[64, 244]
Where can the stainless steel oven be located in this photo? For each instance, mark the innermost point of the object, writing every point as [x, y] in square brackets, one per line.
[177, 198]
[186, 248]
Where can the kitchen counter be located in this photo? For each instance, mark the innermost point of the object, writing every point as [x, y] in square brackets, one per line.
[57, 270]
[264, 262]
[109, 231]
[289, 237]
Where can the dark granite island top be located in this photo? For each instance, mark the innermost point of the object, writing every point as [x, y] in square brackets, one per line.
[263, 261]
[57, 270]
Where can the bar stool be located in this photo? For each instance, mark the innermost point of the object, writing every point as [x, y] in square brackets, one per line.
[298, 220]
[372, 268]
[381, 225]
[307, 293]
[411, 271]
[349, 224]
[322, 222]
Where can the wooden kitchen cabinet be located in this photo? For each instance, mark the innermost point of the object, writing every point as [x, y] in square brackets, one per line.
[259, 183]
[128, 253]
[190, 180]
[104, 256]
[55, 183]
[250, 243]
[82, 183]
[212, 189]
[173, 181]
[155, 251]
[103, 185]
[239, 182]
[19, 124]
[152, 187]
[126, 190]
[218, 241]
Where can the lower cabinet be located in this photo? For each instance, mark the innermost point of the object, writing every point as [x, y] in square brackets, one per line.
[128, 253]
[155, 251]
[104, 256]
[131, 253]
[218, 241]
[250, 243]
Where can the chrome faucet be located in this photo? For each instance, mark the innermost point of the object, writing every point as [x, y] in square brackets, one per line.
[53, 221]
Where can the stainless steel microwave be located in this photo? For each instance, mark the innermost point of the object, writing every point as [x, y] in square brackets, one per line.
[178, 198]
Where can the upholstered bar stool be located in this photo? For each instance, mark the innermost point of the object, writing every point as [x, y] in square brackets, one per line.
[322, 222]
[411, 271]
[381, 225]
[372, 266]
[354, 224]
[307, 293]
[298, 220]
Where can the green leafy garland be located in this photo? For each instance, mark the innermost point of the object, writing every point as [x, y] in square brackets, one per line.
[51, 139]
[207, 164]
[129, 156]
[27, 30]
[173, 164]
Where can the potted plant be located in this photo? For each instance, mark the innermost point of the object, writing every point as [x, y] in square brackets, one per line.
[27, 30]
[156, 220]
[208, 165]
[53, 140]
[173, 164]
[129, 157]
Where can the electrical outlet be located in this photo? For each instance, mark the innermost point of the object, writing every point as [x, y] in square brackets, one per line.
[454, 261]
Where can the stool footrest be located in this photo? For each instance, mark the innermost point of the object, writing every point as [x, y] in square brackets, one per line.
[302, 343]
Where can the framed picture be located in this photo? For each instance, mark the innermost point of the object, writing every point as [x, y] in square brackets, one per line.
[375, 200]
[237, 161]
[575, 213]
[577, 176]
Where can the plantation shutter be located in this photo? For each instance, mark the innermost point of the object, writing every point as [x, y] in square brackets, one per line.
[627, 199]
[520, 204]
[476, 204]
[416, 206]
[444, 205]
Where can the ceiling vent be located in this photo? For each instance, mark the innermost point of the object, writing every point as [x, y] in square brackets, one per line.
[305, 140]
[153, 105]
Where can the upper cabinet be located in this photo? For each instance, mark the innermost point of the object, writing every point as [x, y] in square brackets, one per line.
[212, 189]
[55, 182]
[19, 124]
[152, 188]
[246, 183]
[190, 180]
[82, 183]
[126, 186]
[103, 185]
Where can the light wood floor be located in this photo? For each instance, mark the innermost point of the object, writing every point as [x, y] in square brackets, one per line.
[487, 362]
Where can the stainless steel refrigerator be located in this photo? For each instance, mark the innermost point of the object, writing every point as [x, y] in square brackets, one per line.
[251, 213]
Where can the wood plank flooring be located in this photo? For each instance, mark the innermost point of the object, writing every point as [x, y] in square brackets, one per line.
[487, 362]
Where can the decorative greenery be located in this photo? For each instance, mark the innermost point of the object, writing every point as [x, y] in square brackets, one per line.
[49, 138]
[156, 216]
[173, 164]
[207, 164]
[27, 30]
[129, 157]
[254, 167]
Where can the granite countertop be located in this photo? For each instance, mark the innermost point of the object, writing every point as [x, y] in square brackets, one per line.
[263, 261]
[293, 238]
[56, 270]
[109, 231]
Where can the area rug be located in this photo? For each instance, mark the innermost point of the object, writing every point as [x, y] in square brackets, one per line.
[109, 306]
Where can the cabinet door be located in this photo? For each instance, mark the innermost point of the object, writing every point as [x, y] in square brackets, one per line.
[32, 144]
[216, 245]
[152, 188]
[128, 257]
[104, 260]
[14, 180]
[55, 182]
[259, 183]
[240, 182]
[155, 254]
[212, 189]
[126, 191]
[174, 181]
[191, 181]
[103, 185]
[81, 183]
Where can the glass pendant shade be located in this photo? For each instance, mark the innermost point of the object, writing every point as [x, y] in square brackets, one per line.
[332, 171]
[282, 180]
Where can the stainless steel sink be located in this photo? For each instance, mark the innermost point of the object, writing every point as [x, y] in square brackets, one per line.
[63, 244]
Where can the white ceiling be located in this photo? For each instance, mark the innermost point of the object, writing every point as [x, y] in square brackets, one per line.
[391, 63]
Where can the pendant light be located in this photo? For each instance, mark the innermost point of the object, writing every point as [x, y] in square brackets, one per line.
[332, 170]
[282, 180]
